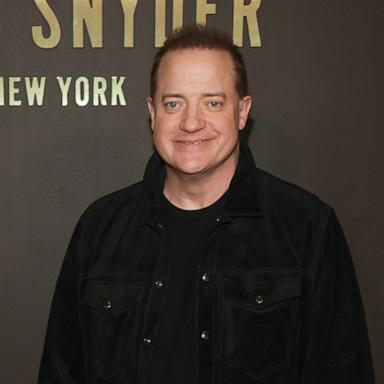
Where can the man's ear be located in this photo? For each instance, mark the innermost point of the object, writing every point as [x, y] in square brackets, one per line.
[245, 105]
[151, 110]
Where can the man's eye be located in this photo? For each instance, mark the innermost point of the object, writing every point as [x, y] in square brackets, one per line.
[171, 104]
[215, 104]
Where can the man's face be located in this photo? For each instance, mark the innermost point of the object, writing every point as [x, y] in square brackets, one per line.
[196, 113]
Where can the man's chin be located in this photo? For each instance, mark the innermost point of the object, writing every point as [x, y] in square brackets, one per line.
[188, 170]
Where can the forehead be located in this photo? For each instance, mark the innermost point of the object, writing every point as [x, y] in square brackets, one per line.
[196, 68]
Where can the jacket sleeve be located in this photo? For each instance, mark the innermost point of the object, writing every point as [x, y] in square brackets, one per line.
[62, 359]
[336, 348]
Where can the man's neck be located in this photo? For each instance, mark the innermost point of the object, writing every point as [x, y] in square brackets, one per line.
[191, 192]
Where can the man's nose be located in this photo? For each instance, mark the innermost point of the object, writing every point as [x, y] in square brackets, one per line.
[192, 120]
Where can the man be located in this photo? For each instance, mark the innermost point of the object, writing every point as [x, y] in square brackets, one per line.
[210, 270]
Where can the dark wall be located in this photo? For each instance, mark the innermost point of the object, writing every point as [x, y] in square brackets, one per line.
[317, 121]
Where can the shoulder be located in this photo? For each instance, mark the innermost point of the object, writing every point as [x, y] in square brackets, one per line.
[291, 202]
[118, 205]
[305, 220]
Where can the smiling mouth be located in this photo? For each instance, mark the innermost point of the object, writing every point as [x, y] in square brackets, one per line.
[192, 142]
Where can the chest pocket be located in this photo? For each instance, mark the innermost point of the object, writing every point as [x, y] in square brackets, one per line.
[258, 322]
[111, 315]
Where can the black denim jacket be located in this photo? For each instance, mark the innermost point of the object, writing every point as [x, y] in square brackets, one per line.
[278, 300]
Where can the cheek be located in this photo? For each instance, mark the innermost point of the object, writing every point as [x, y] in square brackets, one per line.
[158, 136]
[166, 127]
[161, 134]
[228, 120]
[165, 122]
[227, 125]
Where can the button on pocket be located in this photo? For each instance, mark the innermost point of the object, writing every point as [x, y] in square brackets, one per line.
[111, 315]
[107, 304]
[258, 314]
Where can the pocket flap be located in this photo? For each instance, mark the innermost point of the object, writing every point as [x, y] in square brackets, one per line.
[112, 297]
[260, 292]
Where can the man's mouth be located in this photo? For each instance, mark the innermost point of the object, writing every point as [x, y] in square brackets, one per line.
[192, 142]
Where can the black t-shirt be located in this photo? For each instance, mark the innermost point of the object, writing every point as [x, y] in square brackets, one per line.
[175, 355]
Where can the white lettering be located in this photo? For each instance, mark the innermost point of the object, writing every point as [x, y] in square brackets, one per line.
[99, 89]
[64, 89]
[82, 91]
[117, 91]
[13, 91]
[35, 90]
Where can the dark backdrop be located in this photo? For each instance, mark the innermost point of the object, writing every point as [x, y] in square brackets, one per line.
[317, 121]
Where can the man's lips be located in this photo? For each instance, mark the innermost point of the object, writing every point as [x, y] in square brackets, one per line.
[192, 142]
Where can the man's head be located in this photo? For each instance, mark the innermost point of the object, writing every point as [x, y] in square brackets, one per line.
[197, 36]
[199, 103]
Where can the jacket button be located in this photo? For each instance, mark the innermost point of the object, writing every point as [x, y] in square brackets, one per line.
[204, 335]
[206, 277]
[147, 340]
[160, 226]
[159, 284]
[259, 299]
[107, 304]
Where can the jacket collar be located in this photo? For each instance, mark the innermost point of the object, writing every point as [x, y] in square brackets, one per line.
[245, 195]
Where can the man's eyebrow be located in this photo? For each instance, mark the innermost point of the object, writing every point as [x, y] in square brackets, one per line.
[181, 96]
[216, 94]
[168, 95]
